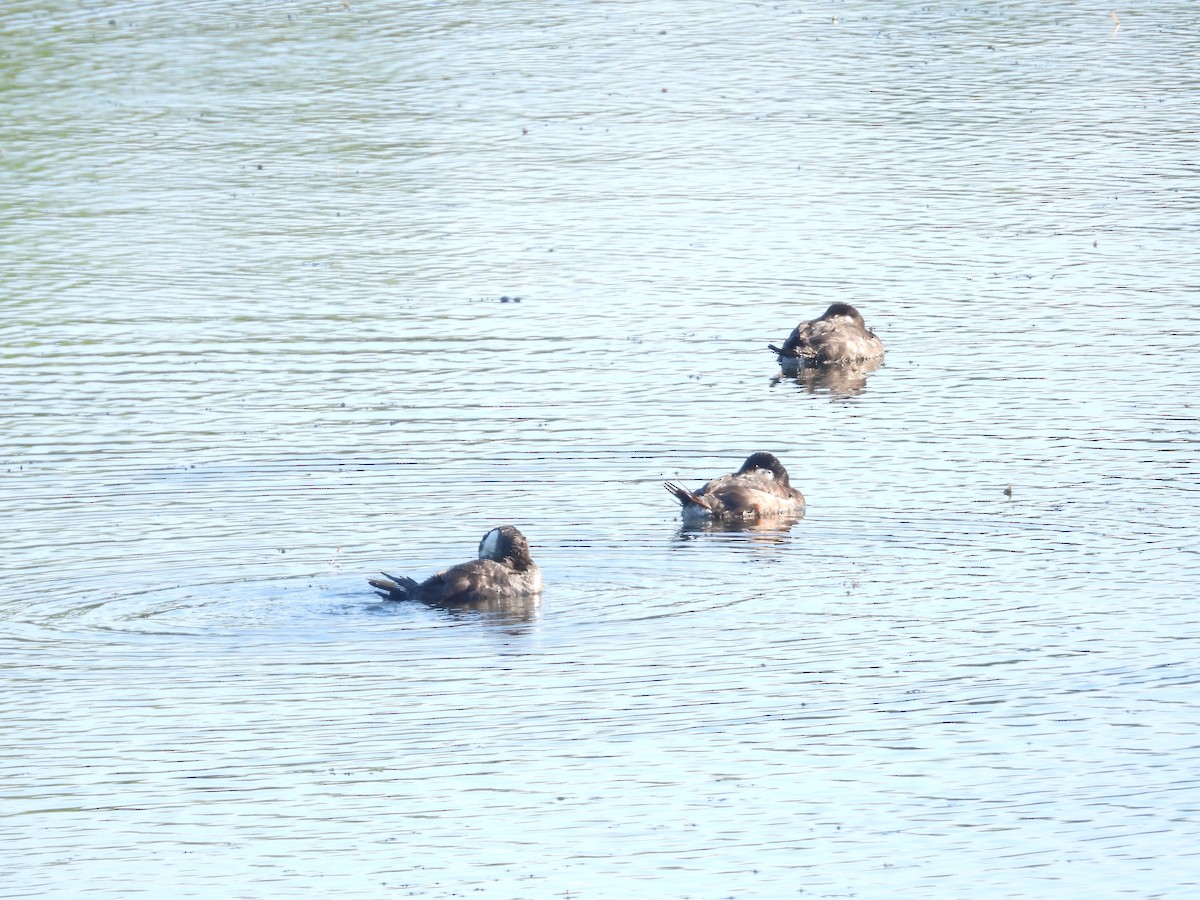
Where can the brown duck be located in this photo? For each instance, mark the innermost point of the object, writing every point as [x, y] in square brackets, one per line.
[504, 570]
[839, 336]
[759, 489]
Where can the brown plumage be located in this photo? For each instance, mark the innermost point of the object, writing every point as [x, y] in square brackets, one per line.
[504, 570]
[839, 336]
[759, 489]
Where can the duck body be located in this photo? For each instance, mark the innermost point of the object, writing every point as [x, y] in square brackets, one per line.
[758, 490]
[504, 571]
[839, 336]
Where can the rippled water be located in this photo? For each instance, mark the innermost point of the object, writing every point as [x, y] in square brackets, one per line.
[253, 350]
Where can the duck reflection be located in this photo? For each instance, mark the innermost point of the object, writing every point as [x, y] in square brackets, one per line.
[840, 380]
[512, 612]
[762, 531]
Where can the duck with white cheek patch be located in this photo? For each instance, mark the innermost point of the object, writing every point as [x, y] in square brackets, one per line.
[503, 571]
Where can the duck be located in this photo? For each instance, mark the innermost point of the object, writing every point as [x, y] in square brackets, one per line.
[504, 570]
[839, 336]
[759, 489]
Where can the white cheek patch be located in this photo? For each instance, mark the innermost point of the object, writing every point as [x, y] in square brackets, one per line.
[490, 547]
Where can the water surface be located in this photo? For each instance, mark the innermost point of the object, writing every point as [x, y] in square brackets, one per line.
[253, 349]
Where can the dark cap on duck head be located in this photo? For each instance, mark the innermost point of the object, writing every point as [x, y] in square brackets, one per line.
[767, 461]
[506, 544]
[843, 309]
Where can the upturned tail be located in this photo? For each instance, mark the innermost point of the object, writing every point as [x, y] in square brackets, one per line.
[393, 587]
[682, 494]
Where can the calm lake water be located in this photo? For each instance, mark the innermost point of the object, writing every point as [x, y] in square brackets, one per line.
[253, 350]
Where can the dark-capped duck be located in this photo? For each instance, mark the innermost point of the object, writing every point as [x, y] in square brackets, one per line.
[839, 336]
[504, 570]
[758, 490]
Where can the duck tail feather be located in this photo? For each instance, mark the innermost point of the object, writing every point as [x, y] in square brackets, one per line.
[393, 587]
[682, 494]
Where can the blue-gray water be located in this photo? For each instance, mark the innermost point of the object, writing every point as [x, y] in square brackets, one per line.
[252, 351]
